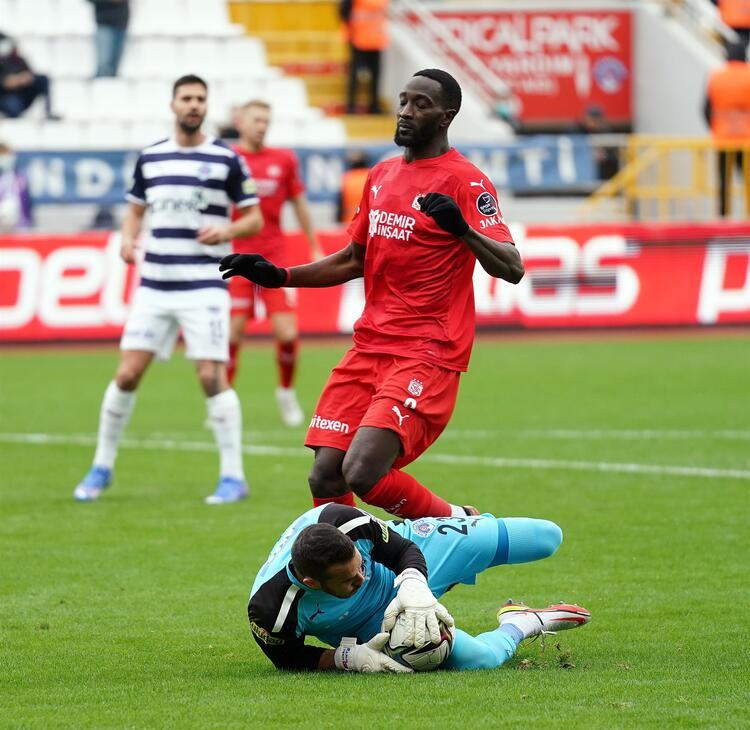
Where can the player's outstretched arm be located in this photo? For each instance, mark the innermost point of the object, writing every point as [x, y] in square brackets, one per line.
[338, 268]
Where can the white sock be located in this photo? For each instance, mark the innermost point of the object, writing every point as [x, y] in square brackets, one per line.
[225, 416]
[114, 415]
[528, 624]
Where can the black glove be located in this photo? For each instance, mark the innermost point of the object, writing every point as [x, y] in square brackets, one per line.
[446, 213]
[254, 268]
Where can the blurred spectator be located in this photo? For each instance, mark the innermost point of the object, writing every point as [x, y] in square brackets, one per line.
[352, 185]
[736, 14]
[112, 18]
[727, 111]
[19, 85]
[367, 28]
[103, 220]
[606, 158]
[230, 129]
[15, 201]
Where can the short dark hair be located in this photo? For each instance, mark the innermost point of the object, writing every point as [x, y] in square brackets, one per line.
[449, 85]
[188, 79]
[317, 548]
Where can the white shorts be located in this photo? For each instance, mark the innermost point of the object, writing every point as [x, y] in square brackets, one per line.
[156, 318]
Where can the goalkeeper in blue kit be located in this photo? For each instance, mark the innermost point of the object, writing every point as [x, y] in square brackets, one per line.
[346, 578]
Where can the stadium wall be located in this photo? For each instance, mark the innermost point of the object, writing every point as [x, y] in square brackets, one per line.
[76, 288]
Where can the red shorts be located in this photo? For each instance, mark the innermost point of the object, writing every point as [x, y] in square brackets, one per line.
[258, 302]
[412, 398]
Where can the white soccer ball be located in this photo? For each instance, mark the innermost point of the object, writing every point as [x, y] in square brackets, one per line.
[427, 658]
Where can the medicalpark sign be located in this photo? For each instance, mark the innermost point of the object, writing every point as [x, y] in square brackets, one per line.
[76, 287]
[556, 63]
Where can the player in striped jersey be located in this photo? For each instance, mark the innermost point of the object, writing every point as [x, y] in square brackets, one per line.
[188, 184]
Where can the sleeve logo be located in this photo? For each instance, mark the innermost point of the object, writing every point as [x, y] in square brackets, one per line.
[486, 204]
[249, 187]
[265, 636]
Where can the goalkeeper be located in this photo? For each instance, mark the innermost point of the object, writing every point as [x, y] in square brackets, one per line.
[342, 576]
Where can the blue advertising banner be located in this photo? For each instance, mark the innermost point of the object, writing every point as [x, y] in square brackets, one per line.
[527, 165]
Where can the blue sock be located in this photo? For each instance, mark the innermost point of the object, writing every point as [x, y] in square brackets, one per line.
[486, 651]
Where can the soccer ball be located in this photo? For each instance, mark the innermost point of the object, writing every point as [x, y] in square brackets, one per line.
[427, 658]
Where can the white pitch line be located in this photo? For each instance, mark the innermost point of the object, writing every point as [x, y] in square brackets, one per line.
[528, 433]
[453, 459]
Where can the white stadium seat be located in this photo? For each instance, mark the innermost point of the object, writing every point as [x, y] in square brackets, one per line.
[166, 39]
[64, 135]
[74, 17]
[21, 134]
[73, 56]
[72, 98]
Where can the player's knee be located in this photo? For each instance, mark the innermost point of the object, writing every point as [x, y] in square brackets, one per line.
[127, 377]
[359, 474]
[325, 483]
[530, 539]
[212, 377]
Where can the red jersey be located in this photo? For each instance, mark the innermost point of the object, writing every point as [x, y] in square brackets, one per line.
[419, 297]
[276, 174]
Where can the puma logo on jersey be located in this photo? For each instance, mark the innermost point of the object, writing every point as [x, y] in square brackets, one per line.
[479, 184]
[401, 418]
[375, 190]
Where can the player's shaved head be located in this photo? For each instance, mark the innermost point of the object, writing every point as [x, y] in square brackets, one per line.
[256, 104]
[451, 91]
[317, 548]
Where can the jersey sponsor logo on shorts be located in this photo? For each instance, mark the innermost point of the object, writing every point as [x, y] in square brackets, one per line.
[391, 225]
[486, 204]
[415, 387]
[327, 424]
[423, 528]
[265, 636]
[401, 418]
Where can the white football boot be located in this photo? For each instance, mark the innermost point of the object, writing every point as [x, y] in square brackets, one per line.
[289, 408]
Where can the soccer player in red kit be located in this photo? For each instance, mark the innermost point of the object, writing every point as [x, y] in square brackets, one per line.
[276, 173]
[424, 220]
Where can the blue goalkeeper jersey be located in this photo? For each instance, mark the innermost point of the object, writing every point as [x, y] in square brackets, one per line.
[282, 610]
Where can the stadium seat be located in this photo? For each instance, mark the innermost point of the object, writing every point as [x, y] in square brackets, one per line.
[20, 134]
[152, 58]
[72, 17]
[107, 135]
[142, 134]
[21, 17]
[151, 100]
[72, 98]
[73, 56]
[38, 52]
[64, 135]
[111, 98]
[206, 16]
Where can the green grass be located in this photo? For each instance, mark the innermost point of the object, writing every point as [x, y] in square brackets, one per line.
[131, 612]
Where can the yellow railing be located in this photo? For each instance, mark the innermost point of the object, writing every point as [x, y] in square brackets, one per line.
[671, 178]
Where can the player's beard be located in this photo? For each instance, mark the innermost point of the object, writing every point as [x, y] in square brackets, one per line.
[418, 137]
[190, 127]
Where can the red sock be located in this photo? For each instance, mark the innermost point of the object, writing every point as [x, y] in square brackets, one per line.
[401, 494]
[286, 359]
[234, 349]
[347, 499]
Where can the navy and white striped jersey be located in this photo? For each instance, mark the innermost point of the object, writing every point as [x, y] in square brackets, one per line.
[186, 188]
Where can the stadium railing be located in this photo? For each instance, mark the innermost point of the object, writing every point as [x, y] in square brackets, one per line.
[672, 178]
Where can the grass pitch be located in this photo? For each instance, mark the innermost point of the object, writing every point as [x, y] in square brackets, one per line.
[131, 612]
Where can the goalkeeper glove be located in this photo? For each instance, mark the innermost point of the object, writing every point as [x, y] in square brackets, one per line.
[369, 657]
[445, 212]
[421, 610]
[255, 268]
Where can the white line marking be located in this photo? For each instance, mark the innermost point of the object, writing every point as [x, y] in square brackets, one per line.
[516, 463]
